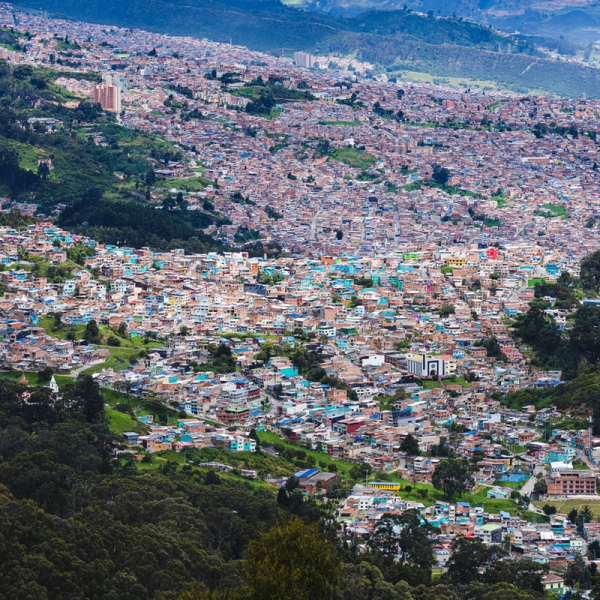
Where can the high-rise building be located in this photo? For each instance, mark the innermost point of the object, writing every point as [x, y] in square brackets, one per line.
[303, 59]
[116, 79]
[109, 97]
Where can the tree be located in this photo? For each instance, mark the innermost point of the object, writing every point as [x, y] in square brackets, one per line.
[282, 497]
[84, 396]
[360, 472]
[477, 456]
[453, 477]
[540, 486]
[92, 332]
[291, 561]
[578, 574]
[403, 538]
[593, 550]
[584, 333]
[366, 581]
[254, 436]
[470, 555]
[525, 574]
[45, 375]
[585, 515]
[590, 272]
[292, 484]
[339, 234]
[43, 170]
[201, 592]
[447, 309]
[549, 509]
[441, 175]
[113, 340]
[150, 177]
[212, 478]
[410, 446]
[572, 516]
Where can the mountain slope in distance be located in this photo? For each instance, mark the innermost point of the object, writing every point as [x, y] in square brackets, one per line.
[389, 39]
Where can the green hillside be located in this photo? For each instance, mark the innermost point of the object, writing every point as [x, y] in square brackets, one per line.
[104, 185]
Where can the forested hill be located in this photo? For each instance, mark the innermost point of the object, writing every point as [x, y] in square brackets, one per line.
[395, 40]
[81, 519]
[66, 166]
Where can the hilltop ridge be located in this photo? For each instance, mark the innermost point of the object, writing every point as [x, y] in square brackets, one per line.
[391, 40]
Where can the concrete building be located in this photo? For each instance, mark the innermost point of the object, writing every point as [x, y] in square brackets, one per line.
[425, 365]
[570, 482]
[303, 59]
[109, 97]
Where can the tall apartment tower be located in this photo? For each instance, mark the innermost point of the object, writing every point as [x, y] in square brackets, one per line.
[115, 79]
[109, 97]
[303, 59]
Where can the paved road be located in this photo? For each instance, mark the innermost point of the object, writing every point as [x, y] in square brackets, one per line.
[527, 489]
[313, 224]
[513, 296]
[396, 227]
[78, 370]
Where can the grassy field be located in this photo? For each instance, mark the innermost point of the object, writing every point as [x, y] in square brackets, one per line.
[28, 154]
[343, 466]
[566, 506]
[120, 422]
[280, 94]
[33, 378]
[148, 406]
[420, 76]
[353, 158]
[119, 355]
[244, 336]
[118, 360]
[159, 459]
[552, 210]
[342, 123]
[190, 184]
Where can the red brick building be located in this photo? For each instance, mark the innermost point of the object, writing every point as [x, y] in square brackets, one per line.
[570, 482]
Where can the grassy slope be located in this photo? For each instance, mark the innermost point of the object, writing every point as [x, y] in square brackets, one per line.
[273, 466]
[353, 158]
[566, 506]
[120, 422]
[343, 466]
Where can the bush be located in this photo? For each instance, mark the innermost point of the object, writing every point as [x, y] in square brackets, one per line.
[113, 341]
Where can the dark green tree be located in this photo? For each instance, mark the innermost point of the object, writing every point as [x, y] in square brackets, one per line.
[291, 561]
[410, 445]
[453, 477]
[440, 175]
[469, 556]
[92, 332]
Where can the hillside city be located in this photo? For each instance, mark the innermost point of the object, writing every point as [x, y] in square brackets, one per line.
[382, 242]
